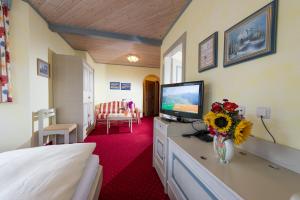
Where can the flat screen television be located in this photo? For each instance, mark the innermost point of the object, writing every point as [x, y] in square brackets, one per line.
[182, 100]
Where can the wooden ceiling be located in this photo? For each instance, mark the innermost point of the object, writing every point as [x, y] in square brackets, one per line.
[112, 51]
[147, 20]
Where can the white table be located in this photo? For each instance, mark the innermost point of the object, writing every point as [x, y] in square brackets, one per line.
[119, 117]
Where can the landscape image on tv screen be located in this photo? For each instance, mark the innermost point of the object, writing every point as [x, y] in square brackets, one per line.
[181, 98]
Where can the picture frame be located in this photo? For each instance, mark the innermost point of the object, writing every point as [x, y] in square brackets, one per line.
[208, 53]
[253, 37]
[125, 86]
[114, 85]
[43, 68]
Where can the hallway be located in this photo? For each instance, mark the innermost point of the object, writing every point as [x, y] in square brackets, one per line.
[127, 162]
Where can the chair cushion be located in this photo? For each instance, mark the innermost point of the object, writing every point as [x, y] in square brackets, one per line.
[102, 116]
[58, 127]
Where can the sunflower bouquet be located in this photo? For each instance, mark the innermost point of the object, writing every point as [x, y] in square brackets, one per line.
[224, 120]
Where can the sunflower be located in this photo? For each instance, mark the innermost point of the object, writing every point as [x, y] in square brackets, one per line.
[221, 122]
[209, 117]
[242, 131]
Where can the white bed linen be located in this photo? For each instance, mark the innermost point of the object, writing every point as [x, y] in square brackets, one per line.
[50, 172]
[87, 179]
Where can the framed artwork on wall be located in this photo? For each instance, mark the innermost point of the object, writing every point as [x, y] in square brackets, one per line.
[125, 86]
[42, 68]
[253, 37]
[208, 53]
[114, 85]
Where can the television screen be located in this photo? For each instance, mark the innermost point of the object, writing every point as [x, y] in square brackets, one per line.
[182, 99]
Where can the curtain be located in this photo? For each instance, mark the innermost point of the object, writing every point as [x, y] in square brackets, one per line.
[5, 82]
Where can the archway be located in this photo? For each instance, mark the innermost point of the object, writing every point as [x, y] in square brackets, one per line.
[151, 95]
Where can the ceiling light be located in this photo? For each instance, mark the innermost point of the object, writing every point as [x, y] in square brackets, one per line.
[132, 58]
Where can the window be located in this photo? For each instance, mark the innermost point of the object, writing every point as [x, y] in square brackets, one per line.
[174, 62]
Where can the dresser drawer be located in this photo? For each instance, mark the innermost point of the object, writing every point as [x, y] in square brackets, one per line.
[160, 158]
[160, 126]
[160, 151]
[187, 180]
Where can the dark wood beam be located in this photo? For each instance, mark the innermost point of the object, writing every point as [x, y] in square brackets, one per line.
[97, 33]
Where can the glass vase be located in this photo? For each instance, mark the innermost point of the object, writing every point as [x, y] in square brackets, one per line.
[224, 148]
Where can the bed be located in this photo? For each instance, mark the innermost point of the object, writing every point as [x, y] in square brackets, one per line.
[65, 172]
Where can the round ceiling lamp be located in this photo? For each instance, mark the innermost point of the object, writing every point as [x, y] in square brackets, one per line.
[133, 58]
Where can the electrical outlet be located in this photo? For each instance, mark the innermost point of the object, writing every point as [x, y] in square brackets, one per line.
[264, 112]
[242, 110]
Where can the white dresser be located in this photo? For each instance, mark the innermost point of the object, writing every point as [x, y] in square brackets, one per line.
[162, 130]
[194, 173]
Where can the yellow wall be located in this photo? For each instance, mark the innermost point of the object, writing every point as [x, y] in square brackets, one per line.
[105, 73]
[41, 39]
[125, 74]
[269, 81]
[15, 117]
[30, 39]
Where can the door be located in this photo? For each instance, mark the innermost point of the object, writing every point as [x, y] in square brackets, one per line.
[91, 97]
[156, 99]
[150, 98]
[88, 98]
[86, 95]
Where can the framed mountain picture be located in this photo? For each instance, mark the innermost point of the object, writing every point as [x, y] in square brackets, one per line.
[253, 37]
[125, 86]
[114, 85]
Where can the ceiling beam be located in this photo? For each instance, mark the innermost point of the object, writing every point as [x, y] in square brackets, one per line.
[97, 33]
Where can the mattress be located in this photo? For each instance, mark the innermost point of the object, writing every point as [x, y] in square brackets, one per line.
[95, 191]
[87, 179]
[49, 172]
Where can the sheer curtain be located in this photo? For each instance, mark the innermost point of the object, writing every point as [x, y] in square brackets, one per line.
[5, 82]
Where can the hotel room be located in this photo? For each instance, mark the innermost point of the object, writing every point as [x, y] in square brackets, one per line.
[149, 100]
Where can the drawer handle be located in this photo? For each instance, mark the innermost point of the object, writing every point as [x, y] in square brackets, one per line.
[203, 157]
[273, 167]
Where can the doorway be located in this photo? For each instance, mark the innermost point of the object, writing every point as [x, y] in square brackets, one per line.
[151, 96]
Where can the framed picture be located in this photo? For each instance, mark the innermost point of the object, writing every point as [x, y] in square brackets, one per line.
[42, 68]
[125, 86]
[115, 85]
[208, 53]
[253, 37]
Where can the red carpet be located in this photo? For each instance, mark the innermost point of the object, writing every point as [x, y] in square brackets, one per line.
[127, 162]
